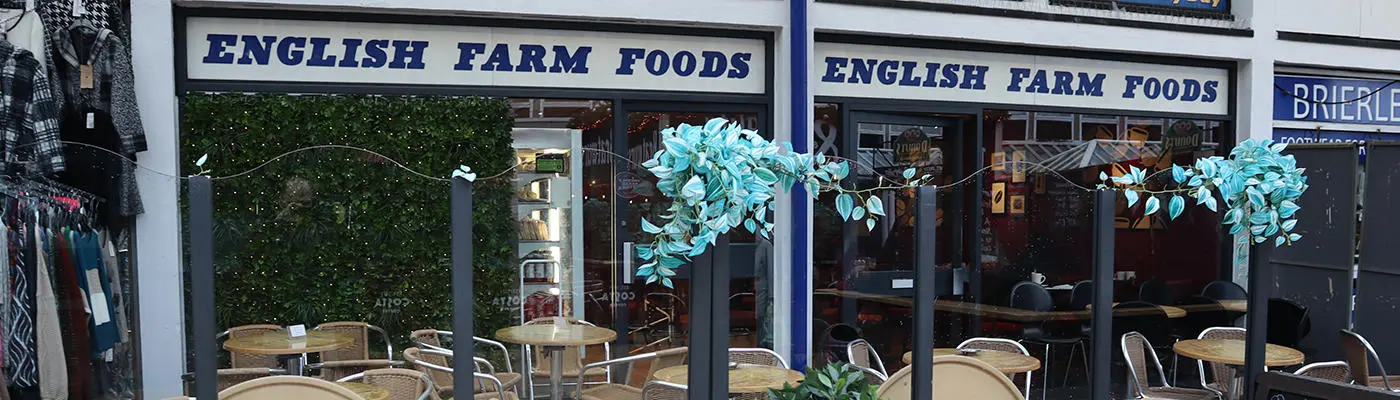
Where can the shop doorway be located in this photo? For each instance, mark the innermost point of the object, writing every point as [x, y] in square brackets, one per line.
[652, 317]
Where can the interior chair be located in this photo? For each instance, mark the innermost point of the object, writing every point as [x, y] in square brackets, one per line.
[1224, 290]
[435, 339]
[1137, 351]
[658, 390]
[1009, 346]
[538, 362]
[1033, 297]
[659, 310]
[1149, 320]
[244, 360]
[863, 355]
[402, 383]
[628, 389]
[288, 387]
[1331, 370]
[962, 378]
[1220, 373]
[1201, 313]
[1156, 292]
[355, 358]
[495, 390]
[1289, 323]
[1080, 297]
[1358, 354]
[743, 314]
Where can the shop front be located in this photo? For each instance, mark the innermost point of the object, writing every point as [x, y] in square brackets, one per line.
[1321, 107]
[328, 134]
[1016, 139]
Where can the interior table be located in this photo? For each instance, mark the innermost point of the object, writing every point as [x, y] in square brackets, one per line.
[1235, 305]
[1172, 311]
[368, 391]
[1231, 352]
[1006, 362]
[554, 338]
[747, 378]
[279, 344]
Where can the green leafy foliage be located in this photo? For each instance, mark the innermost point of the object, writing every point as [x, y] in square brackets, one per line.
[835, 381]
[343, 235]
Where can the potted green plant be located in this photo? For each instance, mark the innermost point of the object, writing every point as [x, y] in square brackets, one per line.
[836, 381]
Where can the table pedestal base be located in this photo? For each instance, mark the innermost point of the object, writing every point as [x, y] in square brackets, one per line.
[556, 367]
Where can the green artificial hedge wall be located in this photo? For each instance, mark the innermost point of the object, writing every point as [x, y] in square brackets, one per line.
[343, 235]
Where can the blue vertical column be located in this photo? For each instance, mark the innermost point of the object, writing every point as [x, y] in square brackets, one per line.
[800, 283]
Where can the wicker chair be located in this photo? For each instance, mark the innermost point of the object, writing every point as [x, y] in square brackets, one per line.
[610, 391]
[1137, 350]
[352, 359]
[1220, 373]
[1331, 370]
[495, 391]
[756, 356]
[658, 390]
[403, 384]
[432, 339]
[1006, 345]
[288, 387]
[244, 360]
[573, 359]
[1358, 353]
[862, 354]
[971, 379]
[228, 377]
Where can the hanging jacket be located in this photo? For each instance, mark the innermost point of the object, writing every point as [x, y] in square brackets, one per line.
[53, 375]
[108, 96]
[28, 113]
[93, 278]
[74, 322]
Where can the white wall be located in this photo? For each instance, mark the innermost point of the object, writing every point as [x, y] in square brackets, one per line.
[1374, 19]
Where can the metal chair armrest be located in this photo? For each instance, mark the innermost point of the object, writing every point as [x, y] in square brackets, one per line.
[582, 372]
[388, 344]
[497, 345]
[490, 369]
[354, 377]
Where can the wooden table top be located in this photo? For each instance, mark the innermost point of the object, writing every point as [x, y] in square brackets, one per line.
[1172, 312]
[368, 391]
[277, 343]
[1235, 305]
[984, 310]
[556, 335]
[746, 379]
[1231, 352]
[1006, 362]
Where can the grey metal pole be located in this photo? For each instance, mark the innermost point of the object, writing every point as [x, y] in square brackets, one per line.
[463, 292]
[924, 290]
[206, 350]
[1257, 325]
[702, 303]
[719, 318]
[1101, 322]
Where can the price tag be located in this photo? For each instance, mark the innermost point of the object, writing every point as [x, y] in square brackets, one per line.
[91, 121]
[296, 331]
[85, 76]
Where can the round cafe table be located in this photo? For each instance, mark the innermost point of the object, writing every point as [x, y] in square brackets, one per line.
[747, 378]
[1235, 305]
[1172, 312]
[368, 391]
[278, 343]
[1231, 352]
[554, 338]
[1006, 362]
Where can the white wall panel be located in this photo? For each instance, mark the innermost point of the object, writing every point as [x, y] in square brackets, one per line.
[1332, 17]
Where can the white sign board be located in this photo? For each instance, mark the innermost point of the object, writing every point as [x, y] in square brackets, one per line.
[851, 70]
[358, 52]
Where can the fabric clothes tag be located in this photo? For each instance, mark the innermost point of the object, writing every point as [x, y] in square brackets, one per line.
[91, 120]
[85, 76]
[97, 297]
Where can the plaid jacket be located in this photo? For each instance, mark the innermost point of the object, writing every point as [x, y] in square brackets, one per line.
[113, 86]
[29, 116]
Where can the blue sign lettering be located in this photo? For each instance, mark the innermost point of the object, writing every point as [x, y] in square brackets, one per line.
[1154, 88]
[904, 73]
[1211, 5]
[471, 56]
[1318, 136]
[1351, 101]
